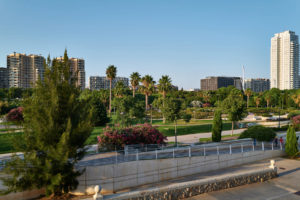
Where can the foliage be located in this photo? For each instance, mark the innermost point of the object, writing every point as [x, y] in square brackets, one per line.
[119, 90]
[187, 117]
[111, 73]
[135, 78]
[172, 109]
[15, 115]
[147, 88]
[293, 114]
[205, 105]
[260, 133]
[291, 145]
[56, 126]
[217, 127]
[141, 134]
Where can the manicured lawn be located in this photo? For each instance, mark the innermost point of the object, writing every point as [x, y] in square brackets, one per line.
[223, 138]
[6, 142]
[184, 130]
[93, 137]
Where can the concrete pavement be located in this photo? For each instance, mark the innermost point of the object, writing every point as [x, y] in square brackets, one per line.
[286, 186]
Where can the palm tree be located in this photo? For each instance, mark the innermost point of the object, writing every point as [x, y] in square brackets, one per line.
[111, 73]
[119, 89]
[296, 98]
[248, 93]
[135, 78]
[257, 101]
[164, 86]
[268, 98]
[148, 87]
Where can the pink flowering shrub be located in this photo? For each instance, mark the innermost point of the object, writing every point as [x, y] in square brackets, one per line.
[205, 105]
[15, 115]
[140, 134]
[296, 121]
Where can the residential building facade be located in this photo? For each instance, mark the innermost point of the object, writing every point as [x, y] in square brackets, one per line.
[216, 82]
[4, 77]
[77, 69]
[24, 70]
[285, 61]
[257, 85]
[101, 82]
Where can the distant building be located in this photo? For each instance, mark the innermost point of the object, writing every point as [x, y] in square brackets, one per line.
[257, 85]
[77, 69]
[216, 82]
[4, 77]
[24, 70]
[101, 82]
[285, 61]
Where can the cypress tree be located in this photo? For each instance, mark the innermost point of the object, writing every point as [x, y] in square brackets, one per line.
[217, 127]
[291, 145]
[56, 126]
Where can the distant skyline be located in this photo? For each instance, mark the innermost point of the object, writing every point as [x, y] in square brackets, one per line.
[187, 40]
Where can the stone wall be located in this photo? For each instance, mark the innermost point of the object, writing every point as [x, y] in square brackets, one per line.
[192, 188]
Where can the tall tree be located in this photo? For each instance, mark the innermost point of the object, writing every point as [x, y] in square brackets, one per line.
[56, 125]
[164, 86]
[234, 106]
[248, 93]
[172, 111]
[296, 99]
[119, 89]
[148, 88]
[111, 73]
[268, 98]
[135, 78]
[217, 127]
[257, 100]
[291, 146]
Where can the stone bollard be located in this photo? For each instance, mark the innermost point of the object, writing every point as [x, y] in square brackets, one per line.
[97, 196]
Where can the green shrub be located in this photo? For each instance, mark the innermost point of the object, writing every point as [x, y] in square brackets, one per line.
[266, 115]
[282, 128]
[293, 114]
[260, 133]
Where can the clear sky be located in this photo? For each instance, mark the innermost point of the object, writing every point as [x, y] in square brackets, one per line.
[184, 39]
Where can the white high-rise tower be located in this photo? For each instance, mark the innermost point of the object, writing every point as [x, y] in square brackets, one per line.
[285, 61]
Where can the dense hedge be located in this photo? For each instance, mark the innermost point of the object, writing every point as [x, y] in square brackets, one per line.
[260, 133]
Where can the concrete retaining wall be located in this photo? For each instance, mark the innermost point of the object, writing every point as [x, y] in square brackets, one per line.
[130, 174]
[192, 188]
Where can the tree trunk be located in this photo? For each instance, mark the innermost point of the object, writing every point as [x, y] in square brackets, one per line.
[133, 91]
[176, 133]
[110, 97]
[164, 119]
[146, 101]
[267, 104]
[247, 101]
[232, 126]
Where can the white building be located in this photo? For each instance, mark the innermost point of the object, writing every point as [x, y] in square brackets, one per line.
[101, 82]
[285, 61]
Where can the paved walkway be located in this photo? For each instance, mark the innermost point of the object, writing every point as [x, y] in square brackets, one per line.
[286, 186]
[193, 138]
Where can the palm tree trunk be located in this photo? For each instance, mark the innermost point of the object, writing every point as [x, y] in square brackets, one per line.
[164, 119]
[176, 132]
[110, 97]
[247, 101]
[133, 91]
[146, 101]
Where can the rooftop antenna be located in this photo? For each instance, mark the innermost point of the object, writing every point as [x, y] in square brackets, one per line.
[243, 78]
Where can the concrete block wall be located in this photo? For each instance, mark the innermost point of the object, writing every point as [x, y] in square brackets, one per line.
[131, 174]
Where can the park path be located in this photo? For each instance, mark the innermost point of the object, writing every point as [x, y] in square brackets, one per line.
[192, 138]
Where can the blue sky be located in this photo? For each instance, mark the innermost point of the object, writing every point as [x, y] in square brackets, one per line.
[185, 39]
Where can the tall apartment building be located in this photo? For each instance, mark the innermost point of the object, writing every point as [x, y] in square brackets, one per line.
[285, 60]
[3, 77]
[77, 69]
[216, 82]
[257, 85]
[24, 70]
[101, 82]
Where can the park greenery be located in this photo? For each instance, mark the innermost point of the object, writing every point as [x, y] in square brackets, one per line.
[259, 133]
[217, 127]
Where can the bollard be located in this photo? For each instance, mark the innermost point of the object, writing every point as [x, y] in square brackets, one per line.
[190, 152]
[230, 151]
[218, 150]
[242, 148]
[262, 146]
[156, 154]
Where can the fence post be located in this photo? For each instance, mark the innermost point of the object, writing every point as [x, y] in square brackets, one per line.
[262, 146]
[280, 146]
[156, 154]
[230, 151]
[116, 157]
[173, 153]
[242, 148]
[204, 153]
[137, 154]
[253, 147]
[272, 146]
[218, 150]
[189, 151]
